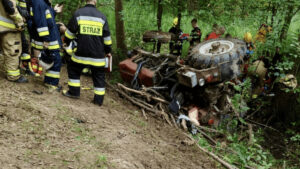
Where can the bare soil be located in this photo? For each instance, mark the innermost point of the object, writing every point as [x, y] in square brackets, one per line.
[51, 131]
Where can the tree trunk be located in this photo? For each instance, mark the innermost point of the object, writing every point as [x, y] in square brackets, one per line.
[274, 13]
[159, 20]
[287, 21]
[120, 29]
[180, 8]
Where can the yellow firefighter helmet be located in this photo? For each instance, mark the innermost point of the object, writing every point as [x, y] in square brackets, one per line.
[175, 21]
[248, 37]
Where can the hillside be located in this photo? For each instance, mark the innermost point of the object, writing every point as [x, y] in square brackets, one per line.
[51, 131]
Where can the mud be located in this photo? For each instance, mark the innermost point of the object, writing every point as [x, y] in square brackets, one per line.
[51, 131]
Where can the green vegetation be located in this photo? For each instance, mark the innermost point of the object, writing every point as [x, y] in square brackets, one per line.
[239, 17]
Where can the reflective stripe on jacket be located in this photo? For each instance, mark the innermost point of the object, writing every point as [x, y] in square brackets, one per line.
[8, 21]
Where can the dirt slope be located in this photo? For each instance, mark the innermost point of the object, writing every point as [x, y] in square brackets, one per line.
[51, 131]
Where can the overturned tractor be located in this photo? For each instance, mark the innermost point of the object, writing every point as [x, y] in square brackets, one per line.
[180, 90]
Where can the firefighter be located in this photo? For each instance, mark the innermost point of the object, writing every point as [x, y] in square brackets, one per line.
[25, 57]
[11, 25]
[196, 33]
[176, 43]
[46, 38]
[262, 33]
[250, 45]
[90, 27]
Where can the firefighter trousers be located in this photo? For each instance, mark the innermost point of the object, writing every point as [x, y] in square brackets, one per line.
[11, 46]
[52, 75]
[98, 75]
[25, 48]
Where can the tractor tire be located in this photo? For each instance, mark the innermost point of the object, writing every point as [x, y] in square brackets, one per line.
[226, 54]
[157, 36]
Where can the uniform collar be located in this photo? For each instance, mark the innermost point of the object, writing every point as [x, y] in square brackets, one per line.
[90, 5]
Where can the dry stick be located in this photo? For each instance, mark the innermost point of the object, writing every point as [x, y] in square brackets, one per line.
[208, 138]
[252, 114]
[136, 103]
[209, 129]
[142, 102]
[174, 121]
[262, 125]
[144, 114]
[145, 89]
[224, 163]
[143, 94]
[165, 115]
[231, 105]
[250, 132]
[142, 105]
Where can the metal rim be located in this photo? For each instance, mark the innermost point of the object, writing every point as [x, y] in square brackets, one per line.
[225, 46]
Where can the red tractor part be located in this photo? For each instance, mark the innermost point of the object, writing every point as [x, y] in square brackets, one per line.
[128, 69]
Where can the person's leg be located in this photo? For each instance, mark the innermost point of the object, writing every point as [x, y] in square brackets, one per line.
[52, 75]
[25, 57]
[74, 72]
[11, 46]
[98, 75]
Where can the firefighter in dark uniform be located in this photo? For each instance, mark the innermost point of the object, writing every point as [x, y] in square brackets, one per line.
[196, 34]
[46, 37]
[176, 43]
[90, 27]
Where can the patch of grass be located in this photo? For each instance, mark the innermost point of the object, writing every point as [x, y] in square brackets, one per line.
[142, 123]
[27, 155]
[54, 152]
[240, 153]
[100, 163]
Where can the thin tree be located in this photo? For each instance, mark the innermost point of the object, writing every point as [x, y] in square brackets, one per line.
[180, 7]
[159, 20]
[120, 28]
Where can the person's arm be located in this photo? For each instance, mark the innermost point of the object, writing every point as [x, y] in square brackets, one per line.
[107, 38]
[199, 33]
[40, 21]
[72, 29]
[11, 9]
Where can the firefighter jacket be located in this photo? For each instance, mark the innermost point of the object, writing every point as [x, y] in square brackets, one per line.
[44, 25]
[176, 44]
[10, 18]
[196, 36]
[90, 29]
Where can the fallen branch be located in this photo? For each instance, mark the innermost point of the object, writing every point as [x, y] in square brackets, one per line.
[144, 103]
[145, 89]
[144, 114]
[165, 115]
[174, 121]
[209, 129]
[143, 94]
[214, 156]
[262, 125]
[136, 103]
[157, 112]
[211, 140]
